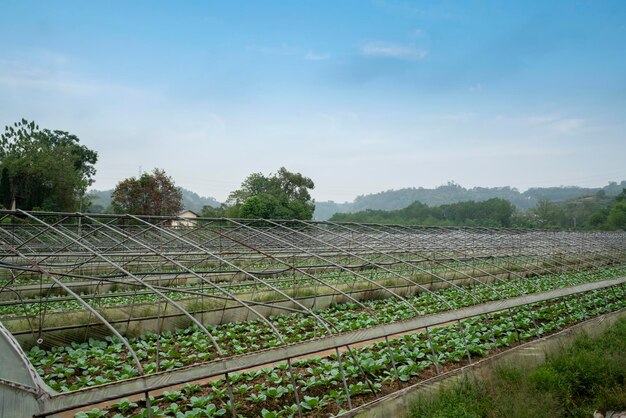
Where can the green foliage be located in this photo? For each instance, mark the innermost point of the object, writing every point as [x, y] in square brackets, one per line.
[96, 361]
[124, 406]
[546, 379]
[151, 194]
[492, 212]
[92, 413]
[284, 195]
[6, 195]
[214, 212]
[467, 400]
[101, 201]
[587, 376]
[616, 218]
[43, 169]
[263, 206]
[454, 193]
[590, 212]
[267, 387]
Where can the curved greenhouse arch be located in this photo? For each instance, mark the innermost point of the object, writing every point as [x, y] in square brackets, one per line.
[169, 303]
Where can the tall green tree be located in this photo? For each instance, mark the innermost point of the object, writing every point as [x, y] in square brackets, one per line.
[43, 169]
[284, 195]
[151, 194]
[209, 211]
[548, 214]
[616, 218]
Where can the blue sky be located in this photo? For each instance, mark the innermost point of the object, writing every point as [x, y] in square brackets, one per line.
[361, 96]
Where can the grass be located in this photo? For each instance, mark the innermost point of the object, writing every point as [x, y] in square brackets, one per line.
[588, 375]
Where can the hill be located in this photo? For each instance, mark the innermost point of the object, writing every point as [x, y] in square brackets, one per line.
[597, 212]
[454, 193]
[491, 213]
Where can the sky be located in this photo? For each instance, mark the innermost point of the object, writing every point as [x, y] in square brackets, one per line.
[361, 96]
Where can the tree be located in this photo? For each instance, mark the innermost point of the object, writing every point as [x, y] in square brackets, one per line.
[263, 206]
[151, 194]
[284, 195]
[6, 196]
[549, 214]
[43, 169]
[492, 213]
[617, 214]
[209, 211]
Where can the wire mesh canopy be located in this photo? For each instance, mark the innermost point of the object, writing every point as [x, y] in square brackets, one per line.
[95, 307]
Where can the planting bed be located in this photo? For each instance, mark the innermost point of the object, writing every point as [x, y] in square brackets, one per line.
[99, 361]
[369, 370]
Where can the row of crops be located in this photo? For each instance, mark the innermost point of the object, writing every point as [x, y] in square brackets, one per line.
[270, 318]
[98, 361]
[367, 369]
[367, 277]
[282, 264]
[374, 369]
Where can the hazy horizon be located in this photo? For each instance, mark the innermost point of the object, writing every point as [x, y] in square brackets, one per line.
[360, 96]
[406, 187]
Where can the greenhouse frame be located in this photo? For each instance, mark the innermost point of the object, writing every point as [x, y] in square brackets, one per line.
[146, 316]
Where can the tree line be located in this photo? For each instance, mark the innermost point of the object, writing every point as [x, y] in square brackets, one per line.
[42, 169]
[282, 195]
[591, 212]
[454, 193]
[598, 211]
[488, 213]
[49, 170]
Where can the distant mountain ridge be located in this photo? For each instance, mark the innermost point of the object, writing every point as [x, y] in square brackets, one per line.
[454, 193]
[191, 200]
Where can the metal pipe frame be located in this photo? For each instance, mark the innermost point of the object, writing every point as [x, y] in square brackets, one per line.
[46, 252]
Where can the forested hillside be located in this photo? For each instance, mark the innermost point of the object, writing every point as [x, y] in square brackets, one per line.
[453, 193]
[598, 211]
[491, 213]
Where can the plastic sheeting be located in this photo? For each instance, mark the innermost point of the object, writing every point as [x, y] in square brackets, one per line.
[20, 386]
[16, 403]
[14, 367]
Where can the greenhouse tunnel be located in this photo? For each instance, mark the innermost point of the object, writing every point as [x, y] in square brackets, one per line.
[149, 315]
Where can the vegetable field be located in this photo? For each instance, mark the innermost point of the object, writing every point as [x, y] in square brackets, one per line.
[229, 317]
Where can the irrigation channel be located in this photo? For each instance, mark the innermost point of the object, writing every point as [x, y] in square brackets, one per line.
[275, 318]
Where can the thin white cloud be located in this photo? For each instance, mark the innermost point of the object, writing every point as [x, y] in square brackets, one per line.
[287, 50]
[40, 74]
[132, 125]
[569, 125]
[312, 56]
[277, 50]
[562, 125]
[381, 49]
[463, 116]
[417, 33]
[339, 118]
